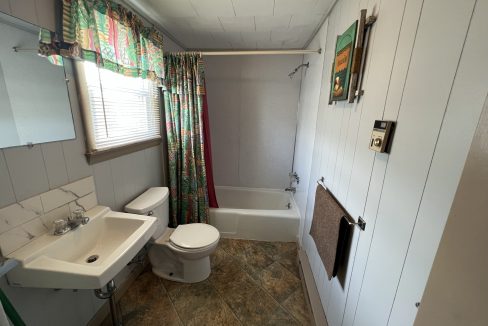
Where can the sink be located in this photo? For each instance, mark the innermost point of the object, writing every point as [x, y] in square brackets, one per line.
[85, 258]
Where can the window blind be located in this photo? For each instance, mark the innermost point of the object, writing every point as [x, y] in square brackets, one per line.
[124, 110]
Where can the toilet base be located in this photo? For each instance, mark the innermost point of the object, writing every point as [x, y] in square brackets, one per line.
[191, 271]
[166, 264]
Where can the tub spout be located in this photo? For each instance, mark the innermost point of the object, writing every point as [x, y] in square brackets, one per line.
[291, 189]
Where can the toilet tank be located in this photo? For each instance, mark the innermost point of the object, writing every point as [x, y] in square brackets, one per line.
[154, 202]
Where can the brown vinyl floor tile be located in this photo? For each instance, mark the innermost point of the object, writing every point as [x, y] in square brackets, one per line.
[252, 283]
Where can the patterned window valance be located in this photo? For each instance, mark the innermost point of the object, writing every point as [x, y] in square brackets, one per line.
[108, 34]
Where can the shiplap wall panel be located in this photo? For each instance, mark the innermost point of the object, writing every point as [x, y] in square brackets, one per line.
[5, 6]
[359, 176]
[462, 115]
[7, 195]
[53, 156]
[311, 87]
[46, 14]
[25, 9]
[104, 183]
[422, 108]
[340, 285]
[27, 171]
[392, 49]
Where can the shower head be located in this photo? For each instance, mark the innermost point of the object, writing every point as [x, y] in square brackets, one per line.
[291, 74]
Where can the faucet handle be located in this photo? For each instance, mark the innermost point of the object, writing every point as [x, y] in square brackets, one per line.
[61, 227]
[79, 215]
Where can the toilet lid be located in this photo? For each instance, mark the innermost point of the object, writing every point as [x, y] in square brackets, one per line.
[194, 235]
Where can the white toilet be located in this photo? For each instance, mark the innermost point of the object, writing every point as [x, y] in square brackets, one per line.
[180, 254]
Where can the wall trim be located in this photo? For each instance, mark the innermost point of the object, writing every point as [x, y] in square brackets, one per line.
[318, 313]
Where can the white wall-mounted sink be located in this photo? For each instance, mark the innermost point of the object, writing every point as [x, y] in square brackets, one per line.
[62, 262]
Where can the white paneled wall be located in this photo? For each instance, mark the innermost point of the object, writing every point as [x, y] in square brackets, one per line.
[252, 108]
[31, 171]
[424, 70]
[25, 173]
[307, 117]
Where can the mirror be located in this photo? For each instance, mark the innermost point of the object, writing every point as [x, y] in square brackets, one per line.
[34, 102]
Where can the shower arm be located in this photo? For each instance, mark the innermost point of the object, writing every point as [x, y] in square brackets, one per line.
[291, 74]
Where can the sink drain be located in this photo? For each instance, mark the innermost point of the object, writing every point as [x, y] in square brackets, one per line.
[91, 259]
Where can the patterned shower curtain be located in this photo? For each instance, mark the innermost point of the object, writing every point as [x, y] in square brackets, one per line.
[184, 93]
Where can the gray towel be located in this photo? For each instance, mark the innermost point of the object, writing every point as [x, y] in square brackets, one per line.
[327, 231]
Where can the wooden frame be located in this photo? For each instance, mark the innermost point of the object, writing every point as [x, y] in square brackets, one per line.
[360, 53]
[97, 156]
[344, 51]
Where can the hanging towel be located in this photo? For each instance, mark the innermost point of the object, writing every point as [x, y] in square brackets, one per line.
[330, 229]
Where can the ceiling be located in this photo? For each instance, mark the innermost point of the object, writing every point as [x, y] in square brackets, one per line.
[236, 24]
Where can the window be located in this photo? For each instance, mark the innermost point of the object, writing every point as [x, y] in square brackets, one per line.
[121, 114]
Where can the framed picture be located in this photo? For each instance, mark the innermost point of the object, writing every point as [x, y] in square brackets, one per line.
[341, 72]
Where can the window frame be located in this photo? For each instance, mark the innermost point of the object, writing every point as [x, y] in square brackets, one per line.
[93, 155]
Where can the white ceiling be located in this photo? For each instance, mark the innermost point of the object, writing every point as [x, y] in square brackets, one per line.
[236, 24]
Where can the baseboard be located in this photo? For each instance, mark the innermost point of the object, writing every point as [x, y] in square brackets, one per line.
[313, 297]
[104, 310]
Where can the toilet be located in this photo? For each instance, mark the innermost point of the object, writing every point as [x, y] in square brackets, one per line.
[180, 254]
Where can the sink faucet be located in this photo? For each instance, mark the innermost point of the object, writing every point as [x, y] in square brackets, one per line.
[63, 226]
[291, 189]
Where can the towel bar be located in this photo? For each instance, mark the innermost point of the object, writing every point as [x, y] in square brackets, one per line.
[321, 182]
[360, 223]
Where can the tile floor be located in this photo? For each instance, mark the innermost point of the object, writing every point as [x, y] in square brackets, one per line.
[252, 283]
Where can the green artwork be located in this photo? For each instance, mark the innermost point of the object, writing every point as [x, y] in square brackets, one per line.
[342, 64]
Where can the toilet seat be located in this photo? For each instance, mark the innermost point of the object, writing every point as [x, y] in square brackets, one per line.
[194, 236]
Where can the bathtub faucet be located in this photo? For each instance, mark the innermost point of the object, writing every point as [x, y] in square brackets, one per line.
[291, 189]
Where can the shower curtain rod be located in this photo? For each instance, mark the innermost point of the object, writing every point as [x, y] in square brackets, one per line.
[251, 52]
[216, 53]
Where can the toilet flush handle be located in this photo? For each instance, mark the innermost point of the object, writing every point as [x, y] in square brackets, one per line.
[150, 213]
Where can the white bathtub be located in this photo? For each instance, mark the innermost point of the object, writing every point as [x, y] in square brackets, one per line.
[255, 214]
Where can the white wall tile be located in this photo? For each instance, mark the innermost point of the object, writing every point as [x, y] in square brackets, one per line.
[56, 198]
[81, 187]
[222, 76]
[19, 213]
[27, 171]
[34, 228]
[76, 164]
[62, 212]
[102, 174]
[55, 164]
[13, 240]
[7, 195]
[74, 150]
[124, 190]
[253, 125]
[86, 203]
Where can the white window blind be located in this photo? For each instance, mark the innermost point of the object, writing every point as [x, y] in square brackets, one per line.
[124, 110]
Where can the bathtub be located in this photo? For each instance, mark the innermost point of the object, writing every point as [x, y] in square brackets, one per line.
[255, 214]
